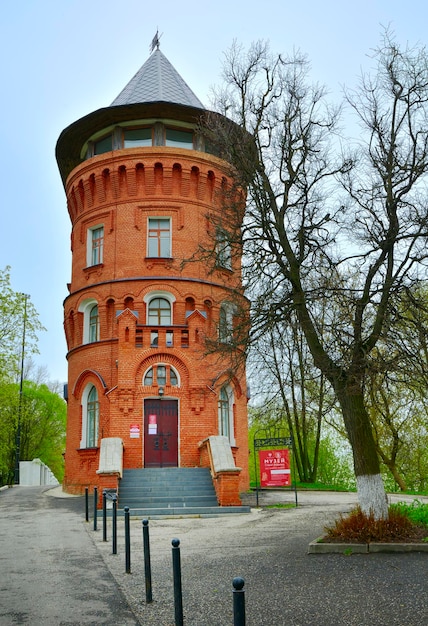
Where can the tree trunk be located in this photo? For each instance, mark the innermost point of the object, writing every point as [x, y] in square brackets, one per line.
[396, 475]
[370, 487]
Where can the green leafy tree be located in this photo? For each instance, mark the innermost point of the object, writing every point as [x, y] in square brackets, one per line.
[15, 309]
[335, 461]
[8, 424]
[295, 396]
[43, 420]
[396, 389]
[19, 328]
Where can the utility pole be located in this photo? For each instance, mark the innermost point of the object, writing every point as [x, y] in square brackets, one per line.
[21, 384]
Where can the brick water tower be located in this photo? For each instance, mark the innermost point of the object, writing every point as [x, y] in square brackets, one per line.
[143, 390]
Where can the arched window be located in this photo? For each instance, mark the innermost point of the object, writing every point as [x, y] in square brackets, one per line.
[161, 375]
[223, 329]
[159, 313]
[225, 414]
[148, 378]
[225, 326]
[173, 378]
[90, 417]
[223, 250]
[93, 324]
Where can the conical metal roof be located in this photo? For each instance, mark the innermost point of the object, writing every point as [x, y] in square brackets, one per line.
[156, 91]
[157, 81]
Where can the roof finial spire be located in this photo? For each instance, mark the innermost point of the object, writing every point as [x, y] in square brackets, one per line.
[155, 41]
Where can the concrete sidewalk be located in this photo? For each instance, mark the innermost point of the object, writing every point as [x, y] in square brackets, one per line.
[56, 570]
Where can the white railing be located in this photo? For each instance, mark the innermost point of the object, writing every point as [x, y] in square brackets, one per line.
[35, 472]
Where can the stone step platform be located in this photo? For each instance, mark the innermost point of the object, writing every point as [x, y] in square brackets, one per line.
[160, 492]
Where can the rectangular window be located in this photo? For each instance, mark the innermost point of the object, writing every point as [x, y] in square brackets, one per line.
[179, 138]
[103, 145]
[159, 238]
[137, 137]
[95, 245]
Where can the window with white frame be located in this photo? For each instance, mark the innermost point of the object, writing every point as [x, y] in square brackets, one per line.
[161, 374]
[159, 312]
[90, 417]
[91, 320]
[225, 414]
[223, 250]
[95, 246]
[94, 323]
[225, 326]
[159, 237]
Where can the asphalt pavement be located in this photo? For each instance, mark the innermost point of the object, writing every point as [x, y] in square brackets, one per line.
[51, 572]
[55, 569]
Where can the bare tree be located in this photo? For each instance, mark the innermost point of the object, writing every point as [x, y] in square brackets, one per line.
[324, 222]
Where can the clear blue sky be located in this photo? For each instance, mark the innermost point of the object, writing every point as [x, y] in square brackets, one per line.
[62, 59]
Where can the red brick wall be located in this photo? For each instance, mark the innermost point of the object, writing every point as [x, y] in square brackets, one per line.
[121, 190]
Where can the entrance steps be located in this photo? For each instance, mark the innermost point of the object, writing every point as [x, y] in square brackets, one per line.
[171, 491]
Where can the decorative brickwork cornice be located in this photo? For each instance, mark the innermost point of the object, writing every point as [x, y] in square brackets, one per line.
[161, 173]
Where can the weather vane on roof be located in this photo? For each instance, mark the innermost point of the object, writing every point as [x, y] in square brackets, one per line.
[155, 41]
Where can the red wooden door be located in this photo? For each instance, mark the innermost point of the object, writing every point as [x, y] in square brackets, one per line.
[160, 433]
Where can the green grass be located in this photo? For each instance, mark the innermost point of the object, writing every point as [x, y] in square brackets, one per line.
[281, 505]
[322, 487]
[416, 511]
[327, 487]
[308, 486]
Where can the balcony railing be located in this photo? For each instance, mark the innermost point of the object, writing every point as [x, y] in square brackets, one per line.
[161, 337]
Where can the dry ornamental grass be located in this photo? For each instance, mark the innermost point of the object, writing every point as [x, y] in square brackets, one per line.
[360, 528]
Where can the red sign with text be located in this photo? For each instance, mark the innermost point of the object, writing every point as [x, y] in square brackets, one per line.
[275, 468]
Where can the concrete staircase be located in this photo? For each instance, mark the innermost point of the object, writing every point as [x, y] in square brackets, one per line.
[172, 491]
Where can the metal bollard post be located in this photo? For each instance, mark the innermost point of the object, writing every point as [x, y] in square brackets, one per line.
[87, 504]
[104, 515]
[95, 506]
[147, 566]
[178, 594]
[114, 524]
[238, 602]
[127, 542]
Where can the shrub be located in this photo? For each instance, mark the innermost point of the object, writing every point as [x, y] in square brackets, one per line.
[360, 528]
